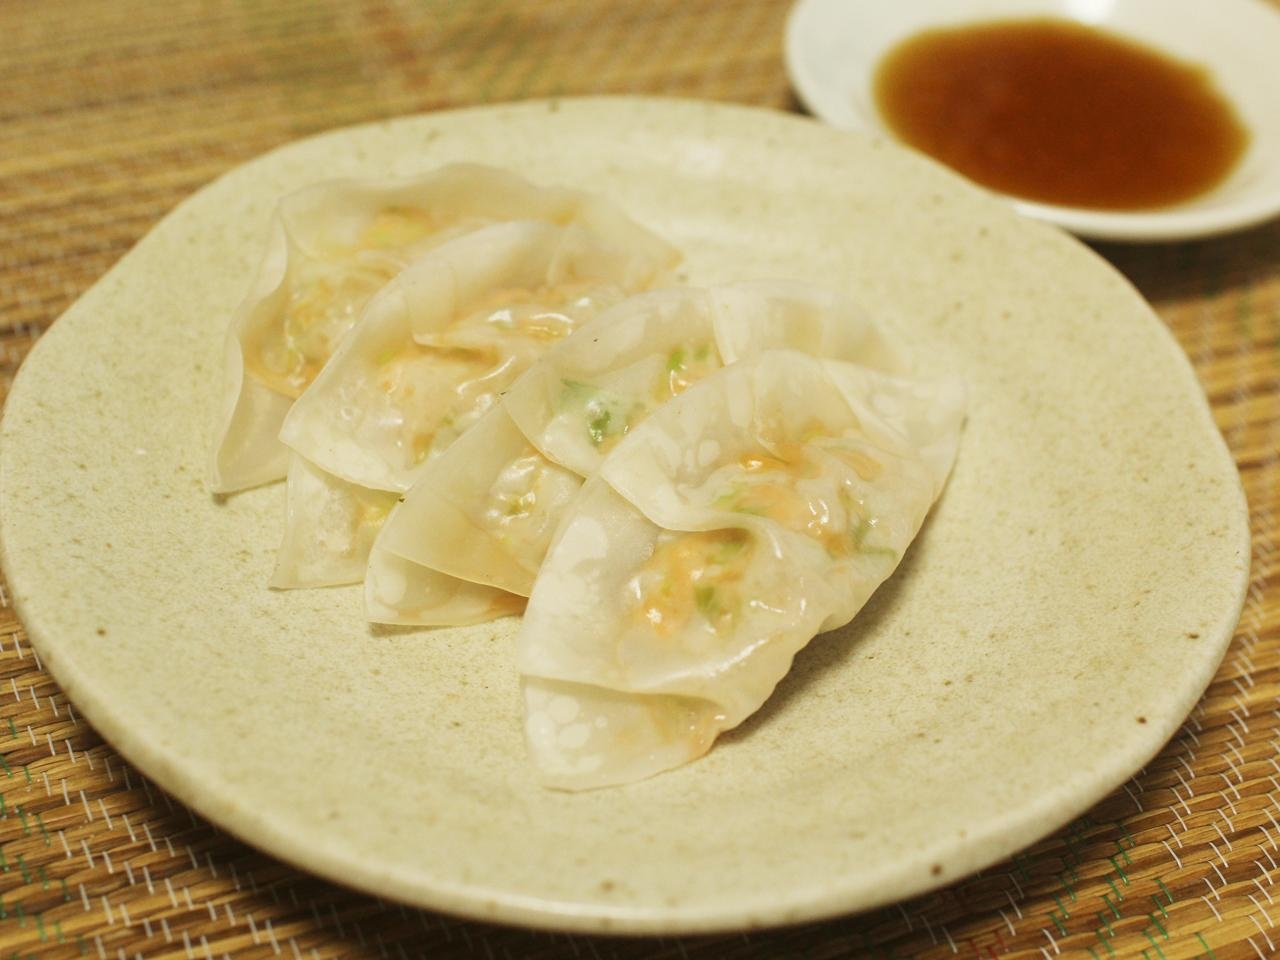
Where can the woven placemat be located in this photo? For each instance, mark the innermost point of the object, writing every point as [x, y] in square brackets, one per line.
[114, 112]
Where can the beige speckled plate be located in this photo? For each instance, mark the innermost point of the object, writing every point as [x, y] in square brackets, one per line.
[1059, 616]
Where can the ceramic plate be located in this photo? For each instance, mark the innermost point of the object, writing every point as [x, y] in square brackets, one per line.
[834, 46]
[1060, 614]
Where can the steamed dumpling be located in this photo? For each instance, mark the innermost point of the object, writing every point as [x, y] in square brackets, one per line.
[436, 347]
[484, 511]
[400, 390]
[762, 507]
[331, 247]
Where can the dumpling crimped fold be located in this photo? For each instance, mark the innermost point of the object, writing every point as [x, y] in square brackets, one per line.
[331, 247]
[330, 525]
[484, 511]
[399, 592]
[430, 356]
[761, 507]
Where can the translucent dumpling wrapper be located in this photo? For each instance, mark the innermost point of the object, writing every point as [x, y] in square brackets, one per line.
[331, 247]
[762, 507]
[393, 396]
[399, 391]
[586, 395]
[329, 528]
[485, 510]
[397, 592]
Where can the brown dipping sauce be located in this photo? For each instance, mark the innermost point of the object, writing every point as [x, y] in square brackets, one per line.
[1054, 111]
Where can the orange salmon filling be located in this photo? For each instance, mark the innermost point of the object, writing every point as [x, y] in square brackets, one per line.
[771, 487]
[692, 575]
[327, 296]
[479, 355]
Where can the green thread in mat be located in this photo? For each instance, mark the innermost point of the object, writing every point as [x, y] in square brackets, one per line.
[1155, 946]
[1124, 852]
[1105, 921]
[1106, 940]
[1119, 896]
[1155, 898]
[1208, 950]
[1066, 914]
[1163, 932]
[1057, 922]
[1124, 877]
[1068, 886]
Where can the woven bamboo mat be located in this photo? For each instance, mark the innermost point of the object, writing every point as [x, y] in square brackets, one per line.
[113, 112]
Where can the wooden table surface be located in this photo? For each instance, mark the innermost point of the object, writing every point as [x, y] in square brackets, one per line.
[114, 111]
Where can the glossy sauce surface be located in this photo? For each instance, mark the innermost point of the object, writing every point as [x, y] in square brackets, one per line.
[1057, 112]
